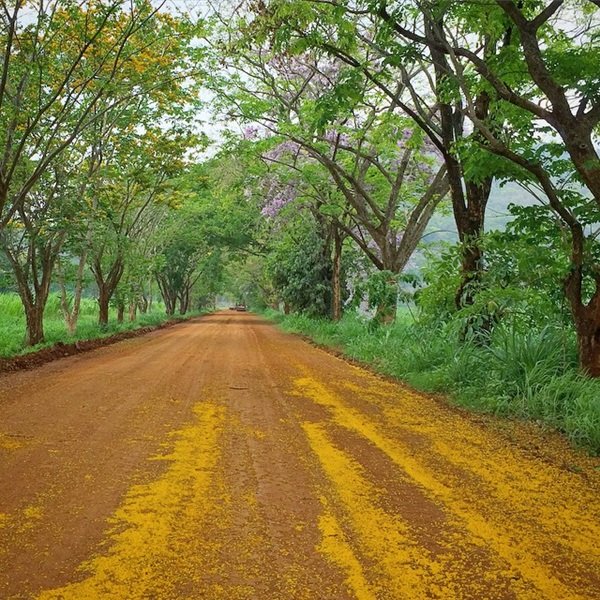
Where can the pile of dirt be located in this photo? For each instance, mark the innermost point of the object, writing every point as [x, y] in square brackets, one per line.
[60, 349]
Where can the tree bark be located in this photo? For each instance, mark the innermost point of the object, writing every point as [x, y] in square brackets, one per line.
[33, 282]
[103, 304]
[34, 306]
[71, 314]
[581, 148]
[588, 337]
[168, 295]
[34, 316]
[470, 223]
[586, 318]
[106, 285]
[336, 276]
[143, 304]
[469, 200]
[184, 301]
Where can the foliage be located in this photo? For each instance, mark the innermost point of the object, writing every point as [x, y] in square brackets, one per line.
[12, 323]
[300, 269]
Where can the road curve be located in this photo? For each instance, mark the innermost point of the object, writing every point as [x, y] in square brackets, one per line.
[222, 459]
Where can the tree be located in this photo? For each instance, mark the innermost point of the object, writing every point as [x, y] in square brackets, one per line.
[387, 176]
[544, 80]
[59, 61]
[130, 191]
[70, 74]
[180, 260]
[414, 78]
[32, 241]
[512, 71]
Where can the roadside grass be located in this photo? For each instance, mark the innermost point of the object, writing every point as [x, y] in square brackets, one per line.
[12, 324]
[530, 375]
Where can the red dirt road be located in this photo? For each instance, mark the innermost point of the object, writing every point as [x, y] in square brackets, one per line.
[222, 459]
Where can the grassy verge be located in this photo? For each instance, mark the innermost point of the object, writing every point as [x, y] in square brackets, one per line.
[12, 324]
[530, 375]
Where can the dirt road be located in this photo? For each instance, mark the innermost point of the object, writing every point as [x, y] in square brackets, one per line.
[221, 459]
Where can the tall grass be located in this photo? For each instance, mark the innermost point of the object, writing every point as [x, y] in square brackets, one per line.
[12, 323]
[530, 375]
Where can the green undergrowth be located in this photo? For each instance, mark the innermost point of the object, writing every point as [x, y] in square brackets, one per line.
[12, 324]
[531, 374]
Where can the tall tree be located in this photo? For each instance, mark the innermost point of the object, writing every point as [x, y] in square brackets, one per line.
[544, 80]
[389, 178]
[413, 77]
[58, 61]
[132, 186]
[69, 73]
[32, 241]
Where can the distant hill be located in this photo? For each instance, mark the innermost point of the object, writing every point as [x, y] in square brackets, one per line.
[443, 228]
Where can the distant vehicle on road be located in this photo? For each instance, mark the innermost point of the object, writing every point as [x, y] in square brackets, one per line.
[240, 307]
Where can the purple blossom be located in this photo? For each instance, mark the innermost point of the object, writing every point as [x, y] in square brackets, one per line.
[273, 207]
[334, 137]
[331, 69]
[250, 132]
[278, 197]
[285, 147]
[406, 134]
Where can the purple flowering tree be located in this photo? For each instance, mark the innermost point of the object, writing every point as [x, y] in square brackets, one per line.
[386, 178]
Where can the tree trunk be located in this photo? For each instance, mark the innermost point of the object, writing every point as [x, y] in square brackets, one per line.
[34, 316]
[336, 278]
[132, 312]
[586, 318]
[168, 296]
[469, 217]
[469, 200]
[184, 300]
[71, 314]
[582, 151]
[120, 312]
[68, 313]
[103, 302]
[71, 323]
[150, 296]
[34, 295]
[588, 337]
[470, 223]
[106, 285]
[143, 304]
